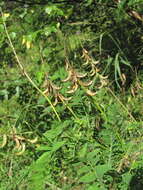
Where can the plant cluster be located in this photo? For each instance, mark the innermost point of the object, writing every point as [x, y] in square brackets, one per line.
[71, 109]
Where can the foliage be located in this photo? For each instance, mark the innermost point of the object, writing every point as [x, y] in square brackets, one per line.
[71, 95]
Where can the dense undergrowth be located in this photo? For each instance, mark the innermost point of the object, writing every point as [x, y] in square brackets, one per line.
[71, 109]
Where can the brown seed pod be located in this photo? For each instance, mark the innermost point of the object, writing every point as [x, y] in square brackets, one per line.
[90, 93]
[19, 137]
[92, 72]
[55, 87]
[22, 150]
[81, 75]
[74, 88]
[103, 83]
[64, 98]
[55, 102]
[103, 77]
[17, 144]
[46, 91]
[68, 77]
[86, 84]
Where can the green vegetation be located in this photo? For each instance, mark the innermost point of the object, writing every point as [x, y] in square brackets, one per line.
[71, 95]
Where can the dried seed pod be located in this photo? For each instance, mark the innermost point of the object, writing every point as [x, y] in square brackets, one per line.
[81, 75]
[19, 138]
[92, 72]
[123, 78]
[67, 65]
[32, 141]
[90, 93]
[139, 86]
[85, 83]
[136, 15]
[55, 102]
[22, 150]
[68, 77]
[64, 98]
[86, 63]
[55, 87]
[74, 88]
[95, 62]
[4, 141]
[17, 144]
[103, 77]
[103, 83]
[46, 91]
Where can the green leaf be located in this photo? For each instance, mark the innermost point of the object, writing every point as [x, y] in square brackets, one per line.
[57, 146]
[53, 133]
[89, 177]
[83, 170]
[93, 187]
[82, 152]
[101, 170]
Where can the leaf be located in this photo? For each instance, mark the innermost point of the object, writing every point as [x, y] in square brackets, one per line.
[83, 170]
[82, 152]
[93, 187]
[53, 133]
[57, 146]
[125, 62]
[93, 157]
[101, 170]
[89, 177]
[44, 158]
[126, 178]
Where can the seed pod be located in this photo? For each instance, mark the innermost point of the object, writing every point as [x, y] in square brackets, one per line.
[19, 138]
[103, 83]
[81, 75]
[86, 63]
[46, 91]
[55, 102]
[68, 77]
[92, 72]
[90, 93]
[17, 145]
[74, 88]
[103, 77]
[55, 87]
[4, 141]
[64, 98]
[85, 83]
[22, 150]
[33, 140]
[136, 15]
[95, 62]
[67, 65]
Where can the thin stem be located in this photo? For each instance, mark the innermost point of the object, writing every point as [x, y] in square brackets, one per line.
[23, 70]
[121, 104]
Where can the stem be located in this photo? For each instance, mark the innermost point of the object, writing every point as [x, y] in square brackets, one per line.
[23, 70]
[121, 104]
